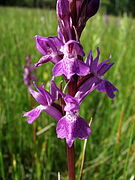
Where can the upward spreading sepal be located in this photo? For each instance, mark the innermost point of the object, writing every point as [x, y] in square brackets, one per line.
[46, 100]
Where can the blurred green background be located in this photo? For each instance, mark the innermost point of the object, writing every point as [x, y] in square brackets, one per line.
[110, 152]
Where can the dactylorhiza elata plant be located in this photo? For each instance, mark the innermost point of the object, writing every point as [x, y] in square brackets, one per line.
[81, 77]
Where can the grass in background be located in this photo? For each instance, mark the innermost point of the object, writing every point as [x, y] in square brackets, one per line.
[110, 152]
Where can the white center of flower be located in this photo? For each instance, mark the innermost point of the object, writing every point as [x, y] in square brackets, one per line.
[72, 116]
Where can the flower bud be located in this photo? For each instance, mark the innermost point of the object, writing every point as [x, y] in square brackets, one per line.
[62, 9]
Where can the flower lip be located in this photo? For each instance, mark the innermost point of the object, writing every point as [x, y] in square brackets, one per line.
[72, 126]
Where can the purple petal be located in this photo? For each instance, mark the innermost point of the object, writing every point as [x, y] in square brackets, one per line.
[47, 45]
[54, 58]
[69, 67]
[80, 68]
[41, 45]
[102, 63]
[42, 97]
[53, 112]
[38, 97]
[34, 114]
[89, 59]
[106, 86]
[45, 94]
[72, 127]
[54, 91]
[87, 87]
[71, 103]
[43, 60]
[94, 64]
[104, 68]
[58, 69]
[57, 41]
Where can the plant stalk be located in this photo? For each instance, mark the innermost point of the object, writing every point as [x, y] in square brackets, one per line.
[71, 162]
[72, 88]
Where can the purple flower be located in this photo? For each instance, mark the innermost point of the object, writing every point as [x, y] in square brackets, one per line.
[72, 126]
[64, 56]
[95, 79]
[49, 47]
[46, 100]
[71, 64]
[28, 77]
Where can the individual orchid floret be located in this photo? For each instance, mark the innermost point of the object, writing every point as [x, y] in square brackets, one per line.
[95, 78]
[46, 100]
[28, 75]
[49, 47]
[71, 63]
[99, 70]
[72, 126]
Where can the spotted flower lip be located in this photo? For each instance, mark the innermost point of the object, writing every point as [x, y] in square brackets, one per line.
[72, 126]
[45, 99]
